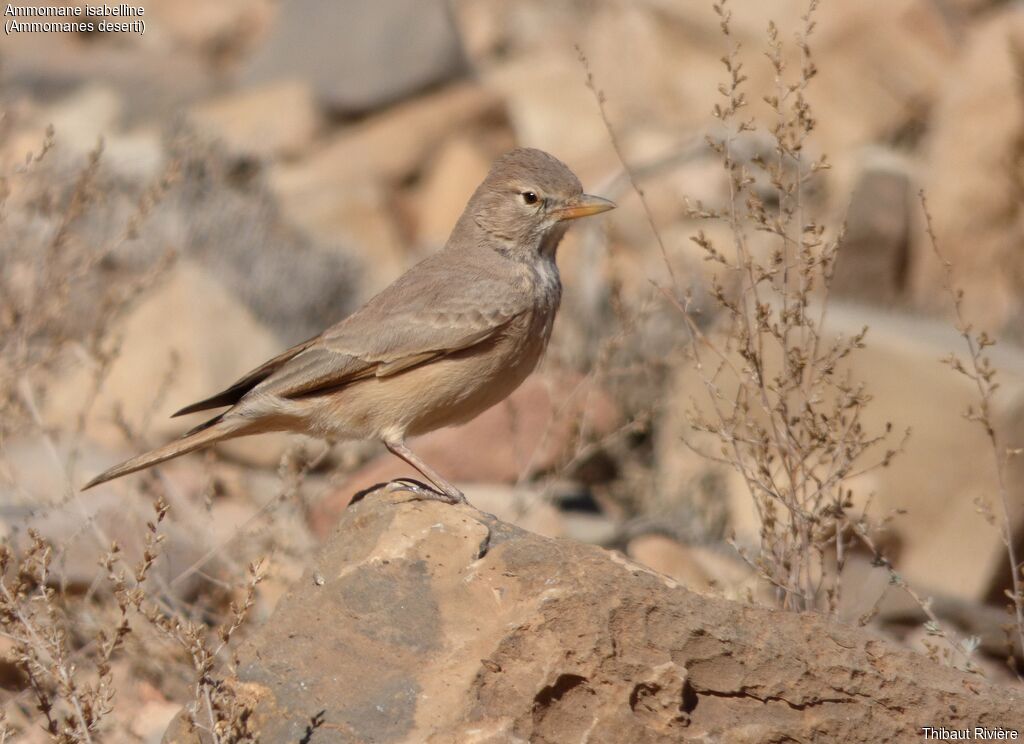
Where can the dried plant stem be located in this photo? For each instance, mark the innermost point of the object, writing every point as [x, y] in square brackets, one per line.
[982, 374]
[934, 627]
[55, 661]
[627, 169]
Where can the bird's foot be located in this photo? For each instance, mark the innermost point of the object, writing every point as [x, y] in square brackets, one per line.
[426, 493]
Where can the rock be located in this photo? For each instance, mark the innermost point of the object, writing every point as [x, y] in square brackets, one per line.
[390, 146]
[213, 210]
[524, 507]
[531, 432]
[357, 215]
[856, 99]
[279, 119]
[947, 463]
[194, 25]
[156, 79]
[343, 190]
[450, 180]
[973, 180]
[526, 48]
[150, 720]
[477, 631]
[481, 27]
[703, 500]
[223, 215]
[595, 529]
[170, 354]
[875, 250]
[85, 116]
[362, 56]
[868, 592]
[702, 569]
[81, 120]
[538, 89]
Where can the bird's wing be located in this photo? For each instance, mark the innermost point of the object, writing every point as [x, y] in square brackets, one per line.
[234, 393]
[382, 347]
[434, 310]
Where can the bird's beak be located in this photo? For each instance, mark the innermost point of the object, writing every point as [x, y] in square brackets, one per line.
[583, 205]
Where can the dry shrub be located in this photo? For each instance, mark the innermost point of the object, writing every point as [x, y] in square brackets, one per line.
[69, 672]
[777, 407]
[783, 414]
[62, 228]
[58, 290]
[776, 404]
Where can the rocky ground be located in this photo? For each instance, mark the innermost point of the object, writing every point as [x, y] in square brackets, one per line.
[246, 195]
[447, 625]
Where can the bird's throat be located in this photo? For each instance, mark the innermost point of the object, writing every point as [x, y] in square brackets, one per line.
[548, 247]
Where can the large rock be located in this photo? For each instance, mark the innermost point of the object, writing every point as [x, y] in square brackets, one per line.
[152, 75]
[90, 115]
[222, 214]
[343, 190]
[973, 179]
[875, 249]
[422, 622]
[527, 48]
[213, 29]
[362, 55]
[389, 147]
[187, 339]
[457, 169]
[359, 215]
[714, 570]
[279, 119]
[856, 99]
[539, 89]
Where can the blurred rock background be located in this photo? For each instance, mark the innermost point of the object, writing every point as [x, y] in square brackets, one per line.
[248, 172]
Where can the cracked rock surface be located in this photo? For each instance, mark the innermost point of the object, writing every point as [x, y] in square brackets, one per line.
[424, 622]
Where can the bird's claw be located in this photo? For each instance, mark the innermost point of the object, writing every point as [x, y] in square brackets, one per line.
[424, 492]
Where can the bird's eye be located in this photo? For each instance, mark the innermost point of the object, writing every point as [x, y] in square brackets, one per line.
[530, 197]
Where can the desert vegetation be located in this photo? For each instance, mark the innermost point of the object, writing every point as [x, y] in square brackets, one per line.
[774, 378]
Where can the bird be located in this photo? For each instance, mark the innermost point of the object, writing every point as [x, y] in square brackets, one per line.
[451, 337]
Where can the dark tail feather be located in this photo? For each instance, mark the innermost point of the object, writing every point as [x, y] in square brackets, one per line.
[205, 434]
[227, 398]
[204, 426]
[238, 390]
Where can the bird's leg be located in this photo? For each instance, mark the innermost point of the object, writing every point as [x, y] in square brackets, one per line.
[450, 493]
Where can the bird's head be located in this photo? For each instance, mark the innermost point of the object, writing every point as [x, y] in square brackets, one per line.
[526, 203]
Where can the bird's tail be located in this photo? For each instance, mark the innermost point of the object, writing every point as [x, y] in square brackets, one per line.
[215, 430]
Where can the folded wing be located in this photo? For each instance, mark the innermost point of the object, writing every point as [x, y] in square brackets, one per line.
[424, 316]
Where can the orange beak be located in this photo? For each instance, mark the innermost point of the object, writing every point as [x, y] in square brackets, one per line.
[583, 205]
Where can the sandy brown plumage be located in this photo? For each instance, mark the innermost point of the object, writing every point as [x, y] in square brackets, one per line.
[451, 337]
